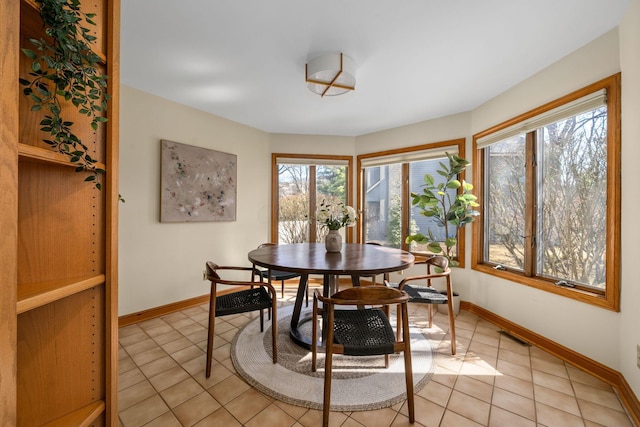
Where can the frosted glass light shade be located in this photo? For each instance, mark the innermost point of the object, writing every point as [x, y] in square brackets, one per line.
[331, 74]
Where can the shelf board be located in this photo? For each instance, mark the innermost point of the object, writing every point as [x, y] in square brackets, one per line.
[45, 155]
[82, 417]
[33, 295]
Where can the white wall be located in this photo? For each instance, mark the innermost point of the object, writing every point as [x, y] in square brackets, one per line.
[311, 144]
[436, 130]
[161, 263]
[630, 321]
[596, 60]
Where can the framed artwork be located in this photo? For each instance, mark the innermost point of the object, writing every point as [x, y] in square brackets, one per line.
[197, 184]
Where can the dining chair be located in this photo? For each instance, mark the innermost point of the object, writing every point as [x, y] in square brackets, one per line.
[279, 275]
[361, 332]
[255, 296]
[437, 267]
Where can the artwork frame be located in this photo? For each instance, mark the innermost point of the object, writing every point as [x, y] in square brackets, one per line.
[197, 184]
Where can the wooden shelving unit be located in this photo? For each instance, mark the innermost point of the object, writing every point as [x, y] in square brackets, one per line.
[58, 271]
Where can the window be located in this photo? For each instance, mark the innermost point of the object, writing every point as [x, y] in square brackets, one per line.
[549, 191]
[386, 181]
[300, 184]
[382, 205]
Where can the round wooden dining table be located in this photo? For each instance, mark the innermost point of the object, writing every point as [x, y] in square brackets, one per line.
[353, 260]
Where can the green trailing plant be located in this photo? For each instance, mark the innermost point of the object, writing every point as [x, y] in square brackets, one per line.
[64, 69]
[450, 203]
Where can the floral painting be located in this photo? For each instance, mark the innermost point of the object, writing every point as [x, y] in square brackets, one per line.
[198, 184]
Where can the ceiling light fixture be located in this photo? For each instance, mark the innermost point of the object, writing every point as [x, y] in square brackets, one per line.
[331, 75]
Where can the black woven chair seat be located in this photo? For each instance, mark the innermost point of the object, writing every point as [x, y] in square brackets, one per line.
[242, 301]
[423, 294]
[363, 332]
[279, 275]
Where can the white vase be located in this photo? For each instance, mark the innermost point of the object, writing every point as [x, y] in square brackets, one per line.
[444, 308]
[333, 241]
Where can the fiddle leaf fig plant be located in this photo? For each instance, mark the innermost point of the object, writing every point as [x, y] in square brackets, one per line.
[450, 203]
[65, 69]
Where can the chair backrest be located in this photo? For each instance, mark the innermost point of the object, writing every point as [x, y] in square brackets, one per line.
[366, 295]
[263, 245]
[438, 261]
[211, 271]
[212, 275]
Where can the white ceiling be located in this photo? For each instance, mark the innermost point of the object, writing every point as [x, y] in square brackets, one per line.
[244, 60]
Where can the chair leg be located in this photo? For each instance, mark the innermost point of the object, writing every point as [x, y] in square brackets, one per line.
[211, 334]
[398, 323]
[408, 369]
[262, 320]
[326, 402]
[282, 290]
[452, 326]
[268, 281]
[314, 335]
[274, 328]
[385, 310]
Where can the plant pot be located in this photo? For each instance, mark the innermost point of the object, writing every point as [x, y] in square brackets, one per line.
[333, 241]
[444, 308]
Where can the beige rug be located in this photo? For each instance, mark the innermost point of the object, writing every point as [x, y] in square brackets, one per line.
[359, 383]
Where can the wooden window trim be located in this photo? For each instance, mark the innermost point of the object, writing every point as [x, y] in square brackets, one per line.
[610, 299]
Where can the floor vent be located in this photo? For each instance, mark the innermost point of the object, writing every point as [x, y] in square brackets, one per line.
[516, 339]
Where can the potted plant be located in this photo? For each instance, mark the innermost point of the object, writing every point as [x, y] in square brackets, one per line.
[449, 202]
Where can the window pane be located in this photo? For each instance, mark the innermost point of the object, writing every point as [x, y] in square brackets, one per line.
[293, 203]
[572, 199]
[505, 202]
[331, 187]
[418, 222]
[383, 205]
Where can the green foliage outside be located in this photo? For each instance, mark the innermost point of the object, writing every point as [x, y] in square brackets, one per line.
[394, 224]
[332, 181]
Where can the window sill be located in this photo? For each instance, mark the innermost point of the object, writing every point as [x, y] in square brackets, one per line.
[596, 299]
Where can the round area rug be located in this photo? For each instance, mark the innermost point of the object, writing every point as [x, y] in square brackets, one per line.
[358, 383]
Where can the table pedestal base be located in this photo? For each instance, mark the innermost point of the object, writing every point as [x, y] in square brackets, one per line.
[329, 287]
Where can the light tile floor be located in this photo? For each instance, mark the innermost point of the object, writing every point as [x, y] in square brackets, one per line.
[493, 380]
